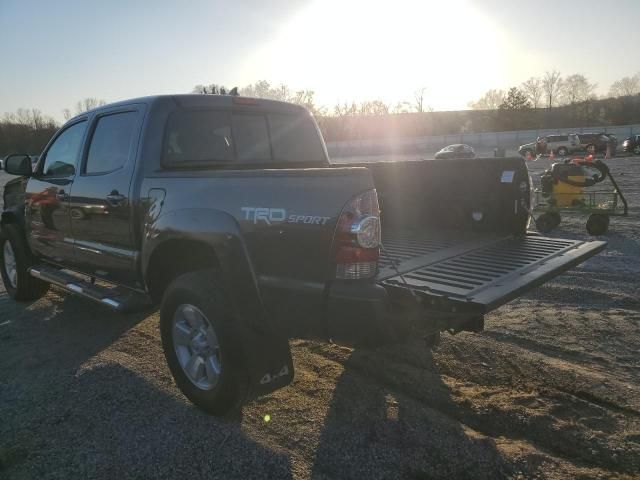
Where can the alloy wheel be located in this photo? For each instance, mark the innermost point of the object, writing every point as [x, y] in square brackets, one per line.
[196, 345]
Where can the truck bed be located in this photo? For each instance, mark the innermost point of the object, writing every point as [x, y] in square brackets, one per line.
[478, 270]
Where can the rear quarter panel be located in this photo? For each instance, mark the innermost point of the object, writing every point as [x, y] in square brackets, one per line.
[287, 217]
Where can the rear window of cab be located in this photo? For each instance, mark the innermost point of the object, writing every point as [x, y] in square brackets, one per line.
[207, 137]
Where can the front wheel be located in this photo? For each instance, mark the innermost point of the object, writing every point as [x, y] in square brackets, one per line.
[597, 224]
[15, 260]
[562, 151]
[201, 343]
[636, 150]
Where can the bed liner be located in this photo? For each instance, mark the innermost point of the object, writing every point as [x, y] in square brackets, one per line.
[479, 271]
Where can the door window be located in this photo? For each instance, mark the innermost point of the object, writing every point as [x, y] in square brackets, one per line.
[111, 143]
[61, 158]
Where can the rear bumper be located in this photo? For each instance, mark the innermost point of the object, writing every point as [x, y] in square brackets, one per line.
[358, 312]
[372, 314]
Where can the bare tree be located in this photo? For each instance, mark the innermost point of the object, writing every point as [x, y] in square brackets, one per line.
[31, 118]
[66, 113]
[533, 89]
[418, 97]
[345, 109]
[489, 101]
[88, 103]
[373, 107]
[576, 88]
[552, 87]
[263, 89]
[211, 89]
[402, 107]
[626, 86]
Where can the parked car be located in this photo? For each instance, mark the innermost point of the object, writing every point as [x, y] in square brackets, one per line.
[456, 151]
[227, 212]
[561, 145]
[597, 142]
[632, 145]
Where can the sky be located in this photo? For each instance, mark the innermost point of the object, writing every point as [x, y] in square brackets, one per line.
[54, 53]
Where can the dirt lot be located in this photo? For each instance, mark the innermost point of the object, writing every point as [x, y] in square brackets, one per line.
[551, 389]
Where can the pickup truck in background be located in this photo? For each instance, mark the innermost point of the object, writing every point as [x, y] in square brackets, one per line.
[227, 212]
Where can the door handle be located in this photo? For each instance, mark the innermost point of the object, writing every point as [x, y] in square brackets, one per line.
[115, 197]
[62, 195]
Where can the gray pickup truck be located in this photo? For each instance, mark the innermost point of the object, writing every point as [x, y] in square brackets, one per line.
[227, 212]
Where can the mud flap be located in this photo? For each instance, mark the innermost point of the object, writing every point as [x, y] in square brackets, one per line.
[266, 351]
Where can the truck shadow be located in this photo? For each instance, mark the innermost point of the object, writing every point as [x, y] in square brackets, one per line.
[389, 420]
[74, 408]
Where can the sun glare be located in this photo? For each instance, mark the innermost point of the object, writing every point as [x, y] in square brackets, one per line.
[356, 50]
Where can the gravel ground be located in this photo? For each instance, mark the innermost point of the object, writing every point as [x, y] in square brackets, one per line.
[551, 389]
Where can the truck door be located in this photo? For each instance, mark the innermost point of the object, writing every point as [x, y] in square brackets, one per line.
[100, 206]
[47, 196]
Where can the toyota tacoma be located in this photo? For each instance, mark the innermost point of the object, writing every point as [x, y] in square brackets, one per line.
[227, 213]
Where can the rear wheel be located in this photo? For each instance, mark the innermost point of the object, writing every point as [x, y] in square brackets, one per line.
[591, 149]
[597, 224]
[636, 150]
[201, 344]
[562, 151]
[15, 260]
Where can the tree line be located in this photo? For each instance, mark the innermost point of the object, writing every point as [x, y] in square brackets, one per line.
[548, 101]
[27, 130]
[553, 90]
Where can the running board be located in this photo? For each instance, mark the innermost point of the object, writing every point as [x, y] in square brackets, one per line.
[116, 298]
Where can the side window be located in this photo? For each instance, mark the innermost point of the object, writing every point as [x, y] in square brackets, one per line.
[62, 156]
[252, 138]
[111, 143]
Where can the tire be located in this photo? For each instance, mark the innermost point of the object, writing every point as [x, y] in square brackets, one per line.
[597, 224]
[555, 219]
[198, 329]
[563, 152]
[591, 149]
[15, 260]
[636, 150]
[547, 222]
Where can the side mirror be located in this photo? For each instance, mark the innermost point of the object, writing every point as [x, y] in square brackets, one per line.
[18, 164]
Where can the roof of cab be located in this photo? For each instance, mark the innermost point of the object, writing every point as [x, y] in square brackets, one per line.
[202, 100]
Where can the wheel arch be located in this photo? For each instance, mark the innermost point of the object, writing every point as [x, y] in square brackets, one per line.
[217, 241]
[188, 240]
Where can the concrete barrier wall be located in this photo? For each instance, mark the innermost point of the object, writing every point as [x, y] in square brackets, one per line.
[481, 141]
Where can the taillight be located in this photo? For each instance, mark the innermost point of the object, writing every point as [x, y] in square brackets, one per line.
[356, 247]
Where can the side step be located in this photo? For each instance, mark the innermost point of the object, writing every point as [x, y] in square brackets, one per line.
[117, 298]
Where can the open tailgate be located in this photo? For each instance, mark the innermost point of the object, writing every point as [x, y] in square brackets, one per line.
[479, 274]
